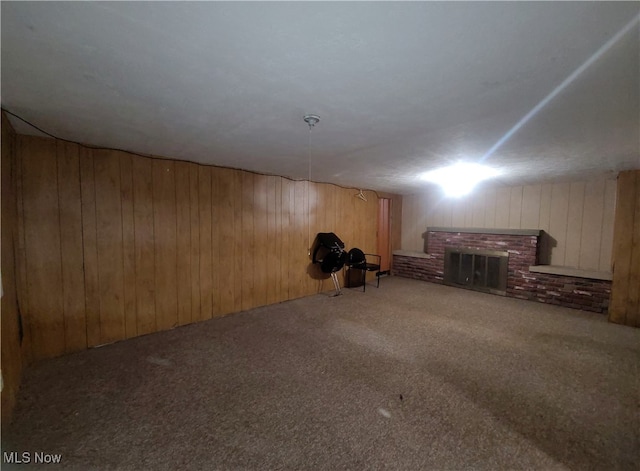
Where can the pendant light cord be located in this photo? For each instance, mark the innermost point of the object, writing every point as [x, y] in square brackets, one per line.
[309, 192]
[311, 120]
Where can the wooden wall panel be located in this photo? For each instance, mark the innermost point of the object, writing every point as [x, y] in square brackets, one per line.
[277, 243]
[271, 242]
[574, 224]
[164, 229]
[299, 243]
[458, 213]
[144, 245]
[447, 208]
[206, 275]
[90, 248]
[369, 213]
[633, 302]
[194, 250]
[42, 246]
[408, 233]
[503, 199]
[608, 215]
[477, 213]
[125, 245]
[238, 240]
[297, 236]
[545, 207]
[261, 248]
[515, 207]
[20, 244]
[556, 208]
[345, 211]
[592, 219]
[426, 210]
[329, 200]
[395, 217]
[13, 358]
[625, 289]
[352, 210]
[558, 221]
[397, 203]
[226, 234]
[285, 247]
[307, 217]
[217, 200]
[183, 241]
[319, 222]
[109, 245]
[384, 234]
[315, 216]
[313, 221]
[490, 208]
[436, 212]
[469, 208]
[248, 251]
[128, 246]
[70, 214]
[530, 217]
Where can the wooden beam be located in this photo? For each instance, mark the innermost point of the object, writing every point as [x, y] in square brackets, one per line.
[625, 308]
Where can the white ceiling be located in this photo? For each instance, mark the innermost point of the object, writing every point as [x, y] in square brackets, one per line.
[401, 88]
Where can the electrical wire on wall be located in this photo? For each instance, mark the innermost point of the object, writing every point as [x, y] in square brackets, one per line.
[156, 157]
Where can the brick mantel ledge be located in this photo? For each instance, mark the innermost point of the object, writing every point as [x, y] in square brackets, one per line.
[570, 271]
[411, 253]
[481, 230]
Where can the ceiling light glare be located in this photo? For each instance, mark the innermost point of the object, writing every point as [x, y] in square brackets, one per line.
[459, 179]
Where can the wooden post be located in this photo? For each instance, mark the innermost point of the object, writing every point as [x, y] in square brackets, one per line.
[625, 289]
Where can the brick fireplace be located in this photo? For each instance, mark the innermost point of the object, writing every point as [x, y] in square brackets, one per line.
[526, 279]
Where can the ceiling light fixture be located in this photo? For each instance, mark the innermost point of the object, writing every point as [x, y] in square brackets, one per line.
[459, 179]
[311, 120]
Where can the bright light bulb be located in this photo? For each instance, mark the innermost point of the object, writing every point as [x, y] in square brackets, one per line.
[459, 179]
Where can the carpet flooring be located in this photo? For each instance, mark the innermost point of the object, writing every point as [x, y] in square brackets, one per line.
[408, 376]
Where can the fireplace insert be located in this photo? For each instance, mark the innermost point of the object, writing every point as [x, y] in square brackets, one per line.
[482, 270]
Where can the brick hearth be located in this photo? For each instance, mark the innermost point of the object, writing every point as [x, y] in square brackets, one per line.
[523, 247]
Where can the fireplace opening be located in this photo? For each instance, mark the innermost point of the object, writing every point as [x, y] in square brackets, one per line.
[482, 270]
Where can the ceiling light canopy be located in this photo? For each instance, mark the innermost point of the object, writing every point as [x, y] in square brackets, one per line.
[311, 119]
[459, 179]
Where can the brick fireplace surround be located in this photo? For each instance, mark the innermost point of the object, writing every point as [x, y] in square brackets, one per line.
[572, 288]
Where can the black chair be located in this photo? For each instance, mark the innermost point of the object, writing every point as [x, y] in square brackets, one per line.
[324, 243]
[330, 254]
[357, 260]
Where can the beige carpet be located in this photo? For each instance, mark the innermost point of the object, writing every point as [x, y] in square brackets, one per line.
[409, 376]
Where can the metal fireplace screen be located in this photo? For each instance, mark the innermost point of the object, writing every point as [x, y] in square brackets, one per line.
[482, 270]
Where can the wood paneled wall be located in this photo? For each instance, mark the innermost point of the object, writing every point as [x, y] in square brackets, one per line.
[578, 217]
[395, 221]
[12, 356]
[116, 245]
[625, 289]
